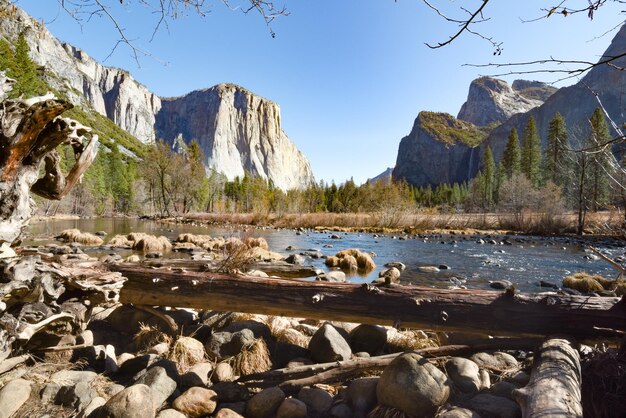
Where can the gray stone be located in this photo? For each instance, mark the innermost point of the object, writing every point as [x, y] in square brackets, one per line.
[413, 385]
[95, 403]
[223, 373]
[161, 383]
[77, 396]
[361, 395]
[296, 259]
[222, 345]
[327, 345]
[228, 413]
[132, 366]
[259, 329]
[396, 264]
[265, 403]
[369, 338]
[496, 361]
[292, 408]
[62, 380]
[519, 378]
[500, 284]
[458, 413]
[318, 401]
[391, 275]
[197, 375]
[133, 402]
[490, 406]
[503, 389]
[464, 374]
[341, 411]
[232, 408]
[13, 395]
[333, 276]
[196, 402]
[230, 392]
[170, 413]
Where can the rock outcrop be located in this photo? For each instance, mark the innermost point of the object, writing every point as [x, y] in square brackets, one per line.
[491, 100]
[238, 131]
[439, 149]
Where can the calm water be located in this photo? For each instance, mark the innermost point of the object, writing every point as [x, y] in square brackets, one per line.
[527, 261]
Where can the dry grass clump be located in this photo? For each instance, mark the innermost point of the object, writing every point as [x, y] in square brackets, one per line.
[257, 242]
[148, 336]
[352, 260]
[149, 243]
[75, 235]
[587, 283]
[292, 336]
[382, 411]
[120, 241]
[254, 358]
[203, 241]
[186, 352]
[408, 340]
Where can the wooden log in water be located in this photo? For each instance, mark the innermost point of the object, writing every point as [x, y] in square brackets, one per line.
[497, 313]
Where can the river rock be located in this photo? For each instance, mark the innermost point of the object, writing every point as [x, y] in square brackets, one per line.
[292, 408]
[133, 402]
[95, 403]
[464, 374]
[428, 269]
[458, 413]
[496, 361]
[500, 284]
[227, 413]
[222, 345]
[333, 276]
[223, 373]
[341, 410]
[369, 338]
[77, 396]
[196, 402]
[13, 395]
[396, 264]
[413, 385]
[317, 400]
[230, 392]
[197, 375]
[503, 389]
[259, 329]
[161, 382]
[327, 345]
[361, 395]
[296, 259]
[490, 406]
[519, 378]
[170, 413]
[265, 403]
[392, 275]
[64, 379]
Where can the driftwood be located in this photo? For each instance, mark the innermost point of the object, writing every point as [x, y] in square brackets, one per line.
[30, 130]
[276, 268]
[498, 313]
[554, 387]
[293, 378]
[613, 264]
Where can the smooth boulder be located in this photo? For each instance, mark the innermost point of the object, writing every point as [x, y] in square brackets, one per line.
[328, 345]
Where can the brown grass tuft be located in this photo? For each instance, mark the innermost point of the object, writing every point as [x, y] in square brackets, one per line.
[586, 283]
[74, 235]
[149, 243]
[365, 262]
[352, 259]
[186, 352]
[332, 261]
[398, 341]
[254, 358]
[291, 336]
[382, 411]
[120, 241]
[348, 263]
[257, 242]
[149, 336]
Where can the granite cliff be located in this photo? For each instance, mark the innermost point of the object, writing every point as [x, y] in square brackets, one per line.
[237, 129]
[443, 149]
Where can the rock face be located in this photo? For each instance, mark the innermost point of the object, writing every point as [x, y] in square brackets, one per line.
[491, 100]
[238, 132]
[109, 91]
[425, 158]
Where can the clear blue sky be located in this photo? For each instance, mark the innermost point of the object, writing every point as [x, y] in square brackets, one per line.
[350, 75]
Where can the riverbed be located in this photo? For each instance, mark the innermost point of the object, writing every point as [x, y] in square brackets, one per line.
[472, 261]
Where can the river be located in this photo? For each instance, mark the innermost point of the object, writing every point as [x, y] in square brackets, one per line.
[523, 260]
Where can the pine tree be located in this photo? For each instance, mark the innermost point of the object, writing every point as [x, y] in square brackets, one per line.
[599, 164]
[531, 153]
[555, 162]
[511, 157]
[25, 71]
[7, 60]
[489, 177]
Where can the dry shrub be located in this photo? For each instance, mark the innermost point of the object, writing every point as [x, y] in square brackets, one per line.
[185, 352]
[149, 243]
[75, 235]
[332, 261]
[203, 241]
[257, 242]
[254, 358]
[292, 336]
[149, 336]
[586, 283]
[382, 411]
[348, 263]
[352, 260]
[120, 241]
[408, 340]
[604, 384]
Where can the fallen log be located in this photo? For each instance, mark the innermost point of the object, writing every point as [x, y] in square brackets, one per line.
[293, 378]
[554, 387]
[498, 313]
